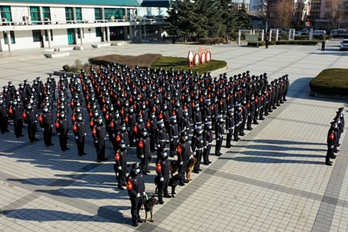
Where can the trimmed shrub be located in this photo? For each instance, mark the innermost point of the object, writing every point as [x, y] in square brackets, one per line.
[210, 41]
[284, 42]
[332, 81]
[144, 60]
[66, 68]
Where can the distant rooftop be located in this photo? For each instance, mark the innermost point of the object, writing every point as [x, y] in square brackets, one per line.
[77, 2]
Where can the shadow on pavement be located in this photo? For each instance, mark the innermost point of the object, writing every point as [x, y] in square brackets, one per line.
[111, 213]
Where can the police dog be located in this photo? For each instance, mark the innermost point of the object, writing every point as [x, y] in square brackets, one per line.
[173, 182]
[173, 168]
[148, 205]
[191, 164]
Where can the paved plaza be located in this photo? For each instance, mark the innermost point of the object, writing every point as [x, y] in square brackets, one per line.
[274, 179]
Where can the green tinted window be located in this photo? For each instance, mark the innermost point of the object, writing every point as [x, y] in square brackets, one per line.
[69, 15]
[78, 14]
[46, 14]
[6, 13]
[12, 37]
[98, 13]
[35, 14]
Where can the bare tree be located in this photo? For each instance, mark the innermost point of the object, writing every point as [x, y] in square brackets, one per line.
[283, 14]
[261, 8]
[334, 10]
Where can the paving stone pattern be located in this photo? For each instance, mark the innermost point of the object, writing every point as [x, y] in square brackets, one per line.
[274, 179]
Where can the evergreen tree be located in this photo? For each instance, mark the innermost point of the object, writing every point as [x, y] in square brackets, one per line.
[205, 18]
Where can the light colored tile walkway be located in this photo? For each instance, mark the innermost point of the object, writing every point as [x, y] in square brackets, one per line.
[274, 179]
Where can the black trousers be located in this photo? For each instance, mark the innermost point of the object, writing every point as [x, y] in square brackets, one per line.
[199, 154]
[80, 145]
[218, 145]
[136, 203]
[329, 154]
[144, 163]
[206, 153]
[182, 170]
[163, 188]
[100, 148]
[173, 144]
[120, 174]
[31, 131]
[63, 141]
[3, 124]
[152, 142]
[47, 135]
[18, 124]
[229, 137]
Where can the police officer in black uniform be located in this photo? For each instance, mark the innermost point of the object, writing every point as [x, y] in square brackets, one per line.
[45, 120]
[99, 137]
[162, 170]
[3, 116]
[161, 135]
[173, 135]
[219, 130]
[197, 144]
[15, 111]
[229, 126]
[120, 167]
[183, 152]
[62, 130]
[208, 141]
[136, 192]
[79, 129]
[331, 139]
[29, 118]
[143, 151]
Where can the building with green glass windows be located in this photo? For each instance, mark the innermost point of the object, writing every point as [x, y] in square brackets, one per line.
[54, 23]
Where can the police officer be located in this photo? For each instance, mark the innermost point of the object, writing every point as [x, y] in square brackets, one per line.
[45, 120]
[99, 137]
[79, 129]
[173, 135]
[185, 121]
[120, 166]
[162, 170]
[197, 145]
[15, 111]
[29, 118]
[62, 130]
[136, 192]
[3, 116]
[229, 126]
[151, 126]
[331, 138]
[143, 151]
[219, 130]
[208, 141]
[161, 135]
[183, 152]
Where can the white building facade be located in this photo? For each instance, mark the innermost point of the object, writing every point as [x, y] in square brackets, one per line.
[49, 23]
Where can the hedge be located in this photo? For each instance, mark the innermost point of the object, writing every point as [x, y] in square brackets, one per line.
[284, 42]
[145, 61]
[332, 81]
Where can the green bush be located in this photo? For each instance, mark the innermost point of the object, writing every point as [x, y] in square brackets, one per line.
[284, 42]
[331, 82]
[210, 41]
[66, 68]
[144, 60]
